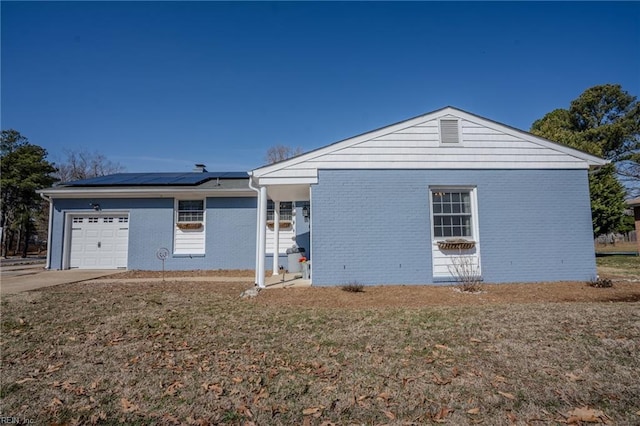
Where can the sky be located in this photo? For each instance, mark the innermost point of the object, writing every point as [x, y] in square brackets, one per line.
[159, 86]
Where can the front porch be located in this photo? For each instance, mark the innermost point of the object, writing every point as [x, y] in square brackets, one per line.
[286, 280]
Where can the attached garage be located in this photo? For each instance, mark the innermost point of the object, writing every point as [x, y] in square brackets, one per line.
[98, 241]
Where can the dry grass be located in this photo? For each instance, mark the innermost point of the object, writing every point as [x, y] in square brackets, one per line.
[177, 352]
[623, 246]
[624, 267]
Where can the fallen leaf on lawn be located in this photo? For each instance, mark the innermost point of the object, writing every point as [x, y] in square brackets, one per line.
[573, 377]
[455, 371]
[443, 347]
[512, 417]
[586, 414]
[389, 415]
[25, 380]
[55, 401]
[384, 396]
[173, 388]
[311, 410]
[53, 368]
[444, 412]
[473, 411]
[128, 406]
[237, 379]
[474, 340]
[439, 380]
[638, 413]
[507, 395]
[214, 387]
[500, 379]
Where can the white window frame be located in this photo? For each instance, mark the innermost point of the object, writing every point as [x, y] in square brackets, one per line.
[286, 210]
[177, 209]
[459, 123]
[475, 235]
[176, 215]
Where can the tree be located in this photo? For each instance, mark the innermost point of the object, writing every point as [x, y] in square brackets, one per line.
[83, 164]
[281, 152]
[607, 201]
[23, 170]
[604, 121]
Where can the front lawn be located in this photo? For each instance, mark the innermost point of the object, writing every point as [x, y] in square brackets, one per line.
[193, 353]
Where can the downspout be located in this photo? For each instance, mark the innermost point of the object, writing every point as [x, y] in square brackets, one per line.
[50, 226]
[257, 225]
[263, 235]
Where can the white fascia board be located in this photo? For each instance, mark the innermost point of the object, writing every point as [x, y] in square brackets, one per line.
[288, 180]
[142, 193]
[345, 143]
[591, 160]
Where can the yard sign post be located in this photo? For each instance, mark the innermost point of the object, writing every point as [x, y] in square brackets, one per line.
[162, 254]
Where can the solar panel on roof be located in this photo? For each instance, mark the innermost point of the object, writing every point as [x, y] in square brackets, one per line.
[123, 179]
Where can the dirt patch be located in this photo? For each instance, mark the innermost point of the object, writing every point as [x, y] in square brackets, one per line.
[181, 274]
[419, 296]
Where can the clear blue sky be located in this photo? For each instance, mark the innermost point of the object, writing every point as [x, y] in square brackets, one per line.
[158, 86]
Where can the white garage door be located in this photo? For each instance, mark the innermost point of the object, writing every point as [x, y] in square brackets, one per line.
[99, 241]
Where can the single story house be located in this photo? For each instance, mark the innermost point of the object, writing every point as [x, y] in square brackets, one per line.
[401, 204]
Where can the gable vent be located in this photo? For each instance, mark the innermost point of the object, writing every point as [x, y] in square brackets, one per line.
[449, 131]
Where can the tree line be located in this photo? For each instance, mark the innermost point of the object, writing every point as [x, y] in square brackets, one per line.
[24, 169]
[604, 121]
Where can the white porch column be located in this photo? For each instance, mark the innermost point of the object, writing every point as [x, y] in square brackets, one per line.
[276, 237]
[262, 240]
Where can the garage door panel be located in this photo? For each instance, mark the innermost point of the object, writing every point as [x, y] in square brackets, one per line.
[99, 242]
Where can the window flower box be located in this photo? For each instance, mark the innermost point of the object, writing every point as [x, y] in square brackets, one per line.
[459, 244]
[284, 224]
[189, 225]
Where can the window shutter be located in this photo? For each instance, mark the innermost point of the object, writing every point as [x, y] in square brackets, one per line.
[449, 131]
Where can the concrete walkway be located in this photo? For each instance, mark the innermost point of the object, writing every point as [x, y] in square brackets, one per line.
[15, 279]
[19, 278]
[286, 281]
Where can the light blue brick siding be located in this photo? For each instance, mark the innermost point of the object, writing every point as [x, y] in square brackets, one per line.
[373, 226]
[230, 232]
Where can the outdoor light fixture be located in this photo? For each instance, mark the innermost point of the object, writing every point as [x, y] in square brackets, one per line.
[305, 212]
[95, 206]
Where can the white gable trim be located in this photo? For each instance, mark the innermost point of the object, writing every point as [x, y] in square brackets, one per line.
[304, 168]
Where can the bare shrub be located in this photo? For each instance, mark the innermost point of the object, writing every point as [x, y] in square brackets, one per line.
[466, 273]
[353, 287]
[600, 283]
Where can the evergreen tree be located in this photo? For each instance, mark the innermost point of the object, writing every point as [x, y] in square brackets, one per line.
[23, 170]
[604, 121]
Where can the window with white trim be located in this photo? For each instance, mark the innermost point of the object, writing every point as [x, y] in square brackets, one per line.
[452, 211]
[189, 230]
[190, 210]
[286, 210]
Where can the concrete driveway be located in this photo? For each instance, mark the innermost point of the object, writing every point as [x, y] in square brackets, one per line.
[18, 278]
